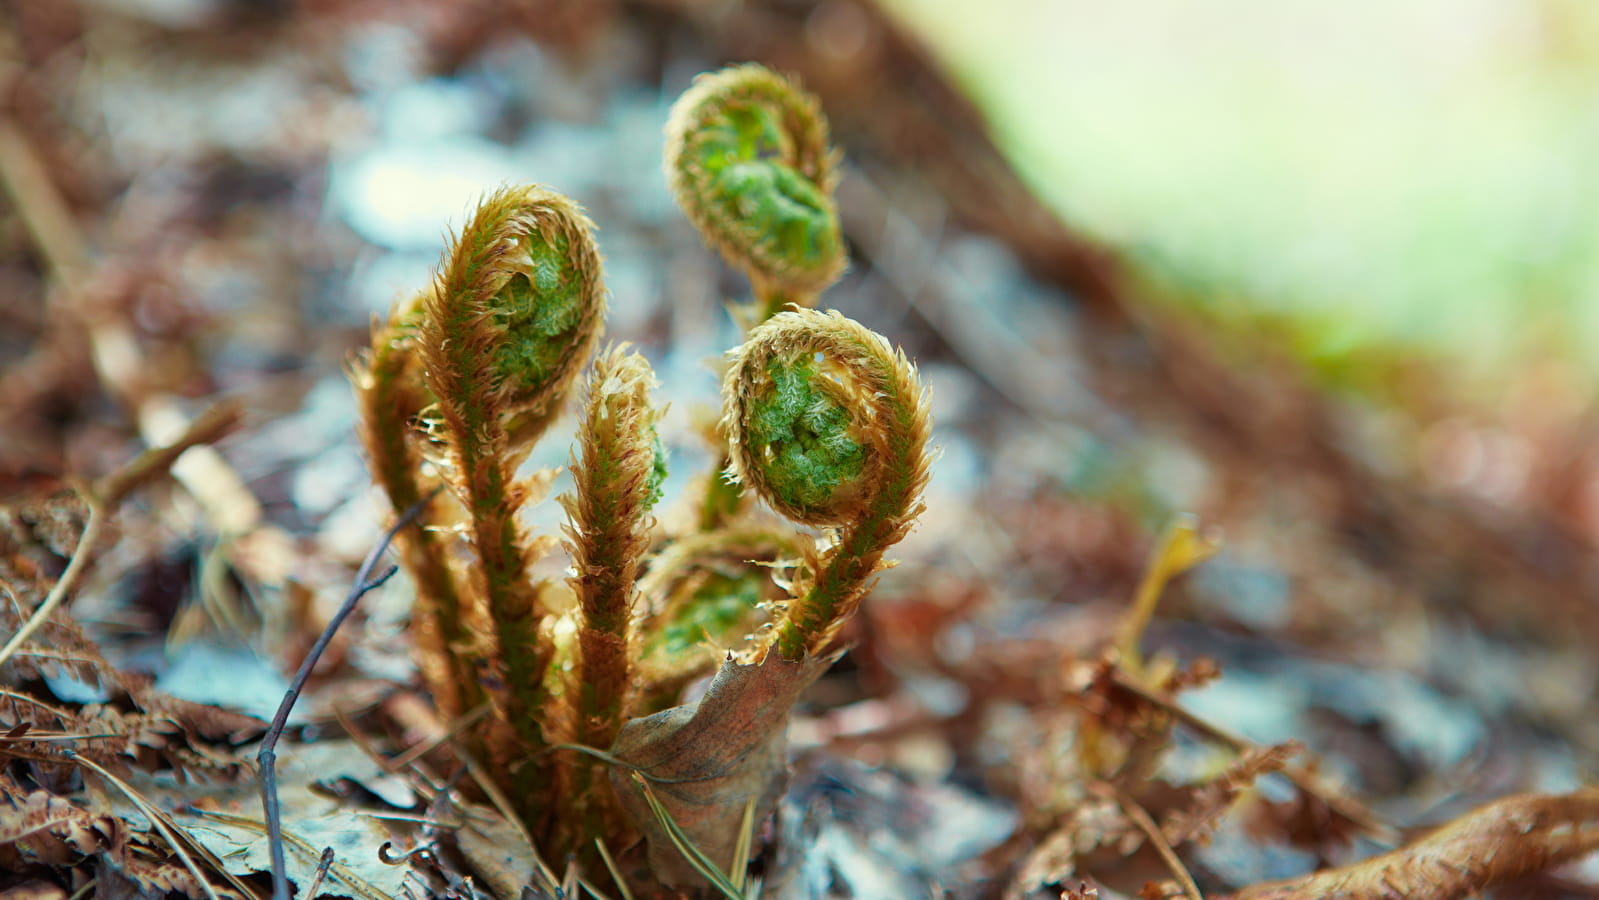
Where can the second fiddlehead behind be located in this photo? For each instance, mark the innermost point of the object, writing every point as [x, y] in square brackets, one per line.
[748, 161]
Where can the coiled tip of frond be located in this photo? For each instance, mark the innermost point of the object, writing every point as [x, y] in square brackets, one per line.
[748, 161]
[519, 302]
[826, 421]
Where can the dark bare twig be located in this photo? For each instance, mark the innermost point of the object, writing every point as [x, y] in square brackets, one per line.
[267, 759]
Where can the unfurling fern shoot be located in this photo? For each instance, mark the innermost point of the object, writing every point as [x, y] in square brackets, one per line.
[391, 396]
[513, 316]
[829, 425]
[748, 161]
[616, 482]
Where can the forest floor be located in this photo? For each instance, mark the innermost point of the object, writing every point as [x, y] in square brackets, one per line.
[214, 199]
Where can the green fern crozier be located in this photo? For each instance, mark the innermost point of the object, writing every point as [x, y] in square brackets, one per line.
[822, 419]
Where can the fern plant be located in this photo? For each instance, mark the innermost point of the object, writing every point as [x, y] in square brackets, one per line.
[570, 691]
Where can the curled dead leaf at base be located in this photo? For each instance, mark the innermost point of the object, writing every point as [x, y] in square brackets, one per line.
[705, 761]
[1506, 839]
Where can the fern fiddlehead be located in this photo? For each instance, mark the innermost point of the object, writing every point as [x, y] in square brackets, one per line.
[711, 590]
[514, 313]
[748, 161]
[829, 425]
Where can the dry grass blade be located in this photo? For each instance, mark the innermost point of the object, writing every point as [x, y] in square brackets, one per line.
[685, 845]
[610, 866]
[741, 850]
[502, 805]
[169, 830]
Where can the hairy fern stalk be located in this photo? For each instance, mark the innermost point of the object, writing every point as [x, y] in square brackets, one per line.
[556, 682]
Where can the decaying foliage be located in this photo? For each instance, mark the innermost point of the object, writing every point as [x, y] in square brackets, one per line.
[47, 748]
[1499, 842]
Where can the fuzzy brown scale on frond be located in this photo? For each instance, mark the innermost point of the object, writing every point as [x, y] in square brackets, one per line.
[391, 396]
[829, 424]
[615, 482]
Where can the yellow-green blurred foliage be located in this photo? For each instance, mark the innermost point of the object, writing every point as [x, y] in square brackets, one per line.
[1410, 174]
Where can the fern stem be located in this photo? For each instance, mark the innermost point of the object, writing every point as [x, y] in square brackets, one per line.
[391, 397]
[615, 482]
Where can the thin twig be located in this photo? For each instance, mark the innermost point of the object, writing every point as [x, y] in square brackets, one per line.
[267, 758]
[1157, 840]
[211, 426]
[321, 872]
[1302, 779]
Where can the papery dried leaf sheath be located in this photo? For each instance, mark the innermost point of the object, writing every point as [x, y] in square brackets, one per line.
[706, 761]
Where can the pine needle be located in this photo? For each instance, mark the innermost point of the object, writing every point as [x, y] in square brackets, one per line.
[696, 858]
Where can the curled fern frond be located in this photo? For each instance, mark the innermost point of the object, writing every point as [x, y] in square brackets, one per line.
[748, 161]
[522, 292]
[513, 314]
[708, 591]
[829, 425]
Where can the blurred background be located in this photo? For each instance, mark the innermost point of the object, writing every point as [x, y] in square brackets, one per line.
[1410, 177]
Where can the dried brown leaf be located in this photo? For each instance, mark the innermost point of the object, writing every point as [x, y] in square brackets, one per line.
[51, 829]
[1506, 839]
[706, 760]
